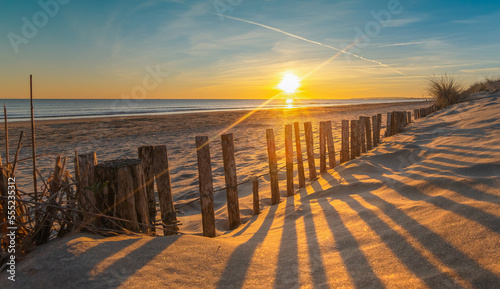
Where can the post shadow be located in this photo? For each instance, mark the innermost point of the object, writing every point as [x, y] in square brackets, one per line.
[440, 248]
[93, 256]
[315, 259]
[408, 255]
[287, 270]
[357, 265]
[239, 262]
[488, 220]
[127, 266]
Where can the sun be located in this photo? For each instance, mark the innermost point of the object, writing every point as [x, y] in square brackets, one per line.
[289, 83]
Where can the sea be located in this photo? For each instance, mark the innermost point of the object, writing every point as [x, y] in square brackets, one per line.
[19, 109]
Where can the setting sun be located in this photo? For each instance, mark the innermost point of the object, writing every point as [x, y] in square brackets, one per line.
[289, 83]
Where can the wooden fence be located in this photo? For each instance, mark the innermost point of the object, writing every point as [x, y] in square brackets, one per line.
[126, 187]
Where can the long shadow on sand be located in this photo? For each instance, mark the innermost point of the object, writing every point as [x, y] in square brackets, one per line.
[357, 265]
[239, 262]
[452, 257]
[413, 260]
[287, 270]
[315, 259]
[117, 273]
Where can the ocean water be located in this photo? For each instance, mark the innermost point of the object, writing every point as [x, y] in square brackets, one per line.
[19, 109]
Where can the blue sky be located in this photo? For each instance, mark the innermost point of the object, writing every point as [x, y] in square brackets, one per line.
[102, 49]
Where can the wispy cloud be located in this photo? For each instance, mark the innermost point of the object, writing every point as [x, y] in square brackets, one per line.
[403, 44]
[480, 70]
[402, 22]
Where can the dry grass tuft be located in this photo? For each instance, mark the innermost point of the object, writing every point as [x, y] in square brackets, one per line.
[490, 85]
[445, 90]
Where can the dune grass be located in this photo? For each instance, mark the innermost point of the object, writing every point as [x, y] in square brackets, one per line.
[445, 90]
[490, 85]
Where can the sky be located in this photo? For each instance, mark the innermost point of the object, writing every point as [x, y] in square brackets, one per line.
[242, 49]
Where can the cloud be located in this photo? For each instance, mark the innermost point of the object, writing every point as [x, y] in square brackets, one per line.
[402, 22]
[479, 70]
[403, 44]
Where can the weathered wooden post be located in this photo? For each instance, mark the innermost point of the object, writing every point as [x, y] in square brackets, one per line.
[123, 193]
[415, 113]
[289, 159]
[374, 128]
[233, 206]
[388, 128]
[255, 190]
[379, 126]
[84, 173]
[146, 154]
[394, 123]
[354, 139]
[330, 144]
[368, 130]
[322, 147]
[273, 167]
[408, 117]
[206, 186]
[300, 162]
[360, 135]
[310, 151]
[344, 152]
[164, 187]
[363, 134]
[402, 121]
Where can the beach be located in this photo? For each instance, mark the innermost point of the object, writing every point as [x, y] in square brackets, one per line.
[422, 210]
[119, 137]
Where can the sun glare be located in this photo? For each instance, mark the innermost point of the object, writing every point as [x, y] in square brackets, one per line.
[289, 101]
[289, 83]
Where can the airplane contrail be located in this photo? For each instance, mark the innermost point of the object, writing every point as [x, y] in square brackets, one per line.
[312, 41]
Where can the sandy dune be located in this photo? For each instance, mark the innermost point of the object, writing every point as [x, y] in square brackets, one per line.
[421, 210]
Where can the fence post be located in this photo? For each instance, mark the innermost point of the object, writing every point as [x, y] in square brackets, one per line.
[233, 206]
[255, 190]
[289, 160]
[206, 186]
[354, 138]
[164, 186]
[344, 152]
[394, 124]
[402, 121]
[146, 155]
[409, 117]
[300, 162]
[374, 128]
[388, 126]
[85, 178]
[368, 130]
[363, 133]
[359, 138]
[310, 151]
[273, 167]
[331, 146]
[322, 147]
[379, 126]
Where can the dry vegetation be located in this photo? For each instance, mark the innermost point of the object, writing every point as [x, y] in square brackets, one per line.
[446, 90]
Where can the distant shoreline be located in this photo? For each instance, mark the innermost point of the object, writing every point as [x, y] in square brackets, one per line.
[94, 117]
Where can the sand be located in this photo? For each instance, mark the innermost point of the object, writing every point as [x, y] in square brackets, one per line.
[421, 210]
